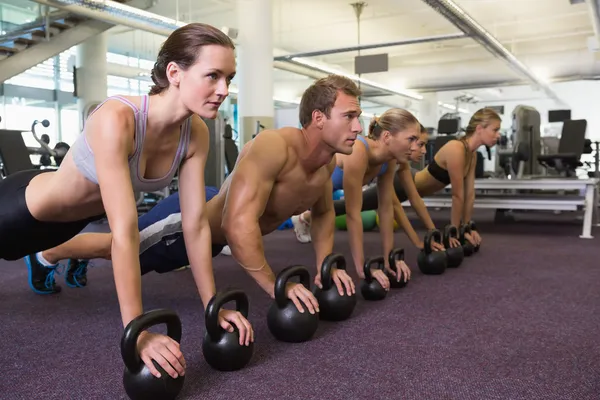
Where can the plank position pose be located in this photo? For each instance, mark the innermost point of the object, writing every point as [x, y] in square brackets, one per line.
[278, 174]
[130, 144]
[392, 138]
[453, 164]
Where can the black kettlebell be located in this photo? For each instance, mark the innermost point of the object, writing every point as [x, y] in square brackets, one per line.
[468, 248]
[474, 228]
[396, 254]
[139, 383]
[370, 288]
[222, 349]
[455, 255]
[284, 320]
[432, 262]
[332, 306]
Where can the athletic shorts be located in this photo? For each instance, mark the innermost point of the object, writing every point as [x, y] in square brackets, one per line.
[162, 247]
[20, 233]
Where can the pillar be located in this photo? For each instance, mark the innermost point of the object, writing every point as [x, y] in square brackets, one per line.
[255, 67]
[91, 65]
[428, 110]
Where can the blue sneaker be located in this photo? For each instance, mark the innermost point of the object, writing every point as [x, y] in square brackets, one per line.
[41, 278]
[76, 274]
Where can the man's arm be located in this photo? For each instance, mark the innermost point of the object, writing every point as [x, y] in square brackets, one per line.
[455, 162]
[196, 230]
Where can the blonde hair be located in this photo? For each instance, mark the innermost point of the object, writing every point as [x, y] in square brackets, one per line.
[483, 117]
[393, 120]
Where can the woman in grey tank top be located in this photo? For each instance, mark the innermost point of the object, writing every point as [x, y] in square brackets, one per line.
[130, 144]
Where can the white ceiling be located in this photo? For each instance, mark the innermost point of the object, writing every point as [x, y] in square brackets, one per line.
[549, 36]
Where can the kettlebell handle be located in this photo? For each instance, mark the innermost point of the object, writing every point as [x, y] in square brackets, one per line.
[367, 268]
[333, 259]
[211, 316]
[432, 234]
[284, 276]
[472, 225]
[464, 229]
[450, 231]
[396, 254]
[132, 331]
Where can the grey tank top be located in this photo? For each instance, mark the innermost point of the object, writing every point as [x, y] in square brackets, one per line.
[84, 157]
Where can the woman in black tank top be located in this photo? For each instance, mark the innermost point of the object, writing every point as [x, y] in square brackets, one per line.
[455, 163]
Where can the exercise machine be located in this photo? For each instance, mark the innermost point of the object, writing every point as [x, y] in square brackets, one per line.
[15, 156]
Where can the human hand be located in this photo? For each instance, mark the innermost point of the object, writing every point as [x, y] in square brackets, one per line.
[162, 349]
[299, 295]
[230, 318]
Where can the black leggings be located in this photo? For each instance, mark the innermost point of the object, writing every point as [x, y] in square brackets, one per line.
[20, 233]
[370, 200]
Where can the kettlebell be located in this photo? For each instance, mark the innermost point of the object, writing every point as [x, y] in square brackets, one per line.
[396, 254]
[474, 228]
[222, 349]
[284, 320]
[455, 255]
[370, 288]
[332, 306]
[468, 248]
[139, 383]
[432, 262]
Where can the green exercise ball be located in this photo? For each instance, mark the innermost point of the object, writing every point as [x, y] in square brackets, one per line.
[369, 220]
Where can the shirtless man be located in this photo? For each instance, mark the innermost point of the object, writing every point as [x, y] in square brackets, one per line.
[278, 174]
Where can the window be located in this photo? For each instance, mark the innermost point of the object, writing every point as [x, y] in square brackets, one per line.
[69, 119]
[20, 116]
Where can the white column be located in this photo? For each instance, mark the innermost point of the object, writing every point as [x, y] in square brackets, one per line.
[428, 110]
[255, 66]
[91, 65]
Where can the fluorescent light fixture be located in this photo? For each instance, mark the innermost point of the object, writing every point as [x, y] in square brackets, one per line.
[329, 70]
[453, 108]
[234, 90]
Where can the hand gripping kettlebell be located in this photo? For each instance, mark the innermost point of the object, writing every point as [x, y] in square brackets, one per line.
[139, 383]
[284, 320]
[222, 349]
[370, 288]
[455, 255]
[468, 248]
[474, 228]
[432, 262]
[396, 254]
[332, 306]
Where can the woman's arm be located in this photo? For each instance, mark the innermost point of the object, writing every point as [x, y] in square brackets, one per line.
[455, 163]
[385, 195]
[403, 221]
[111, 136]
[470, 190]
[355, 167]
[194, 221]
[196, 229]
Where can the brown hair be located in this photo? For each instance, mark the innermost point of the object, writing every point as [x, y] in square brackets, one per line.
[183, 48]
[322, 95]
[481, 117]
[393, 120]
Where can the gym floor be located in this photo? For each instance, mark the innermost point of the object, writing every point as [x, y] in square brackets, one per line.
[519, 320]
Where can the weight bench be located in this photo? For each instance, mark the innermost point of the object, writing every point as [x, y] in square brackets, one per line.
[14, 155]
[570, 148]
